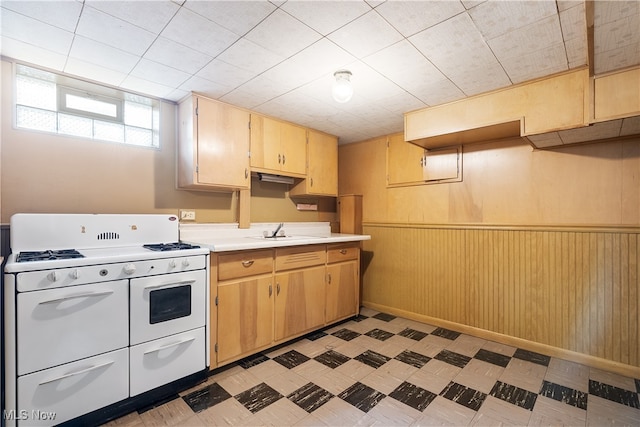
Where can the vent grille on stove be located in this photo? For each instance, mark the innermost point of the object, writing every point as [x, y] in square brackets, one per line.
[108, 236]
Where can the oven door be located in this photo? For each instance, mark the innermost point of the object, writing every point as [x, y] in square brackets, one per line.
[167, 304]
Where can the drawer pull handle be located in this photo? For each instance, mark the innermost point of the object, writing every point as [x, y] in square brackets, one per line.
[248, 263]
[277, 288]
[84, 295]
[270, 290]
[81, 371]
[329, 278]
[162, 285]
[343, 251]
[173, 344]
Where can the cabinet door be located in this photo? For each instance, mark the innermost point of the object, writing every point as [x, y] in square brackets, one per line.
[342, 291]
[293, 143]
[322, 167]
[405, 162]
[245, 316]
[265, 143]
[299, 304]
[223, 145]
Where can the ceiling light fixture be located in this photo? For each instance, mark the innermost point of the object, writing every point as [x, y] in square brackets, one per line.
[342, 90]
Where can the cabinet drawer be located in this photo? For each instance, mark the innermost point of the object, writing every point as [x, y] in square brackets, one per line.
[300, 256]
[337, 253]
[245, 263]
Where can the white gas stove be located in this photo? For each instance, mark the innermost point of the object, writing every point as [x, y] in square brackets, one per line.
[100, 311]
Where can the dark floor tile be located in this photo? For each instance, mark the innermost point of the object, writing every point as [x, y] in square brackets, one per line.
[452, 358]
[491, 357]
[316, 335]
[615, 394]
[384, 317]
[206, 397]
[412, 358]
[564, 394]
[310, 397]
[361, 396]
[291, 359]
[379, 334]
[332, 359]
[373, 359]
[412, 395]
[346, 334]
[514, 395]
[531, 356]
[446, 333]
[413, 334]
[360, 318]
[253, 360]
[465, 396]
[258, 397]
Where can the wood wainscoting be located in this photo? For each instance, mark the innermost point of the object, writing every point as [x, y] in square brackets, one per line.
[571, 292]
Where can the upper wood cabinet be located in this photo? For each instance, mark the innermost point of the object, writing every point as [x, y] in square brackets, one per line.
[213, 145]
[322, 167]
[278, 147]
[544, 105]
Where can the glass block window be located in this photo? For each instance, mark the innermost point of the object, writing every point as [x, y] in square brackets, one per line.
[52, 103]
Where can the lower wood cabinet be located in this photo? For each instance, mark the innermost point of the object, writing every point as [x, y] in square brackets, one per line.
[266, 297]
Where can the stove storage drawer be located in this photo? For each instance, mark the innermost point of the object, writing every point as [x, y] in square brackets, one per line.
[65, 392]
[168, 359]
[166, 305]
[58, 326]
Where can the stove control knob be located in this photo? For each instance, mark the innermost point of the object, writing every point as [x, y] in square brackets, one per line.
[172, 263]
[53, 276]
[75, 274]
[129, 268]
[185, 262]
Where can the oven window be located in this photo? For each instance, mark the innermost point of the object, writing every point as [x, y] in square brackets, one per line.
[170, 303]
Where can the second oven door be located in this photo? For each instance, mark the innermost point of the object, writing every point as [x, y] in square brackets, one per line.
[167, 304]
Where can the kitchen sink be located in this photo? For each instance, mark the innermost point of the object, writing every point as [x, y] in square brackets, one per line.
[277, 238]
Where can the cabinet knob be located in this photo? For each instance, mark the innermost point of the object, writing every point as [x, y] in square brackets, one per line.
[246, 173]
[247, 263]
[284, 159]
[270, 290]
[343, 251]
[279, 159]
[329, 278]
[277, 288]
[312, 182]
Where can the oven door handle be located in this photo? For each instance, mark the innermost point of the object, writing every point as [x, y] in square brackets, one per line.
[164, 285]
[81, 371]
[173, 344]
[85, 295]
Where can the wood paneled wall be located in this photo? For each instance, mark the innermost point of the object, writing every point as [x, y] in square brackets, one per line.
[572, 288]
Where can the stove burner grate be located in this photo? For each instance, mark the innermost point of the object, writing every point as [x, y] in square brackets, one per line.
[177, 246]
[48, 255]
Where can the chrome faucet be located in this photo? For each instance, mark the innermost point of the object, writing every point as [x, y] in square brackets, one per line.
[275, 233]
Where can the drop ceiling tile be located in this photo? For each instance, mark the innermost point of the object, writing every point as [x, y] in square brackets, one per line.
[199, 33]
[630, 126]
[32, 54]
[282, 34]
[453, 38]
[576, 52]
[411, 17]
[205, 87]
[143, 86]
[242, 98]
[611, 11]
[617, 34]
[326, 16]
[112, 31]
[568, 4]
[102, 55]
[249, 56]
[176, 55]
[94, 72]
[536, 64]
[495, 18]
[545, 140]
[593, 132]
[366, 35]
[63, 15]
[225, 74]
[537, 36]
[153, 16]
[177, 95]
[616, 59]
[261, 89]
[574, 22]
[236, 16]
[159, 73]
[472, 83]
[31, 31]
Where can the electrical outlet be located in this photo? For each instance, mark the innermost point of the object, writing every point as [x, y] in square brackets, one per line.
[188, 215]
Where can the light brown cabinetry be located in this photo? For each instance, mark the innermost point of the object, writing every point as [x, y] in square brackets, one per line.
[265, 297]
[277, 147]
[213, 145]
[322, 167]
[342, 296]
